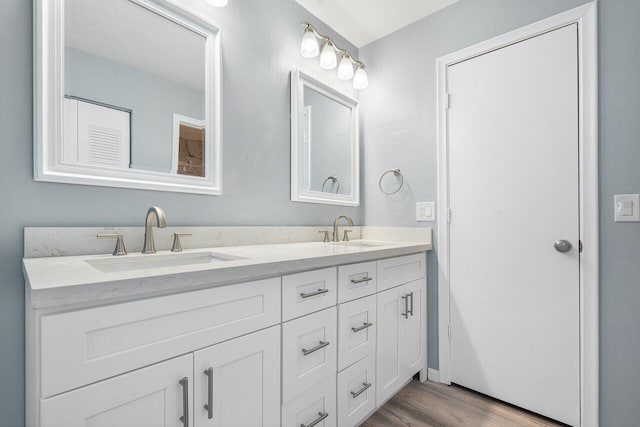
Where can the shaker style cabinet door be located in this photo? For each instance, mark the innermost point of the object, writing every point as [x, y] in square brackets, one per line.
[401, 340]
[158, 395]
[237, 383]
[389, 357]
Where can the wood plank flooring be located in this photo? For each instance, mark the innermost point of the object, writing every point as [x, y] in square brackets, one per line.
[432, 404]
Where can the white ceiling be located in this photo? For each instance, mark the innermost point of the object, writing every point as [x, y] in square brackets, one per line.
[124, 32]
[364, 21]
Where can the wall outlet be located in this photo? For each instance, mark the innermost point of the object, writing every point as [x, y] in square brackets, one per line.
[425, 211]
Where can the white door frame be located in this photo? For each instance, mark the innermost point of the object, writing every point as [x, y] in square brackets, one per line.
[586, 18]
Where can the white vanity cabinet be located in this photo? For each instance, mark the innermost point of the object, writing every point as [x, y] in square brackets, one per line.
[323, 348]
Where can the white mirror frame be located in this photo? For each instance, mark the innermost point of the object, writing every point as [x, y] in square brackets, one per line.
[300, 155]
[49, 98]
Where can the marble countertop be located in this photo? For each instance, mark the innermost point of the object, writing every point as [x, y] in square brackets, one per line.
[72, 280]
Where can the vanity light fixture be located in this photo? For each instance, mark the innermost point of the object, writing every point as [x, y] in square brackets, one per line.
[309, 48]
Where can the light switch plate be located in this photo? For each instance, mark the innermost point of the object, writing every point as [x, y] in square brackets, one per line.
[425, 211]
[626, 207]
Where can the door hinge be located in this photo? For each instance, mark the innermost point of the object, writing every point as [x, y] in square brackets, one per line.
[449, 216]
[580, 246]
[447, 101]
[449, 331]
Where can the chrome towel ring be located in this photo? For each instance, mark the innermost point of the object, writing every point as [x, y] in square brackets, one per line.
[398, 174]
[334, 179]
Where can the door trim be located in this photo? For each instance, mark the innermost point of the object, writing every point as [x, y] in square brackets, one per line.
[586, 18]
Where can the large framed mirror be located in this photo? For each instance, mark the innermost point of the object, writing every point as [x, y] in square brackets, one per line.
[127, 94]
[324, 143]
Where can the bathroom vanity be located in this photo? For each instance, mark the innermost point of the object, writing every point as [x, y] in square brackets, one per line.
[300, 334]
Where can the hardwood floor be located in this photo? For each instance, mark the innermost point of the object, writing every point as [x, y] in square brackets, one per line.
[432, 404]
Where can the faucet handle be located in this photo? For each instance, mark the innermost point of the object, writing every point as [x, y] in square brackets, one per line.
[345, 237]
[119, 249]
[176, 246]
[325, 238]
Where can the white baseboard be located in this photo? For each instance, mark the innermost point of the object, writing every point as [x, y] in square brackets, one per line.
[433, 375]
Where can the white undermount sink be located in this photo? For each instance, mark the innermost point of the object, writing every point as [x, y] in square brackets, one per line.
[144, 262]
[359, 243]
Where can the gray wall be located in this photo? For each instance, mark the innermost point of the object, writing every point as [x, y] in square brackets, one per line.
[401, 131]
[152, 99]
[255, 144]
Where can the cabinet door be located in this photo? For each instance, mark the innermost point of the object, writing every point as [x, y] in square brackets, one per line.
[389, 354]
[152, 396]
[413, 339]
[241, 380]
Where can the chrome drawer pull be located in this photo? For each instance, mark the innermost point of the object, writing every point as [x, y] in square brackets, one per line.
[322, 344]
[209, 405]
[317, 421]
[411, 310]
[406, 306]
[355, 394]
[364, 279]
[364, 326]
[184, 382]
[313, 294]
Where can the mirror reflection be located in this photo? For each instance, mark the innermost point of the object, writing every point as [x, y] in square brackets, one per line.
[134, 89]
[328, 135]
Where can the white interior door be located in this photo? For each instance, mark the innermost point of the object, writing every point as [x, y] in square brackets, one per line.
[514, 191]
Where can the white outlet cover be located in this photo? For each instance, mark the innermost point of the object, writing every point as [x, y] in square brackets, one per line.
[425, 211]
[626, 207]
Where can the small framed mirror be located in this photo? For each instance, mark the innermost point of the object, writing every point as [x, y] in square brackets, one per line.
[324, 143]
[127, 95]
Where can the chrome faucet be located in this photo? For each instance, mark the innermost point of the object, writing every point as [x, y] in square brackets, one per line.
[336, 237]
[157, 213]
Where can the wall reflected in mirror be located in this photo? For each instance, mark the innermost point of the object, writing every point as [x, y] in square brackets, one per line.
[328, 135]
[129, 72]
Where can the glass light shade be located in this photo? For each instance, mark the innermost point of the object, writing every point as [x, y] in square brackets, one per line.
[328, 57]
[309, 47]
[345, 69]
[218, 3]
[360, 79]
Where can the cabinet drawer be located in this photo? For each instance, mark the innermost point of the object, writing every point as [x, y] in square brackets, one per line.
[304, 293]
[400, 270]
[356, 392]
[317, 403]
[356, 330]
[356, 281]
[86, 346]
[308, 352]
[151, 396]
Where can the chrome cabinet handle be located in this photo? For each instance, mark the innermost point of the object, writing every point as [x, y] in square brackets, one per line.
[322, 416]
[364, 279]
[322, 344]
[406, 306]
[365, 387]
[411, 309]
[185, 401]
[313, 294]
[364, 326]
[562, 246]
[209, 405]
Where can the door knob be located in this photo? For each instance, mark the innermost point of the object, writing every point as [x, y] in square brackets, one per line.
[562, 245]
